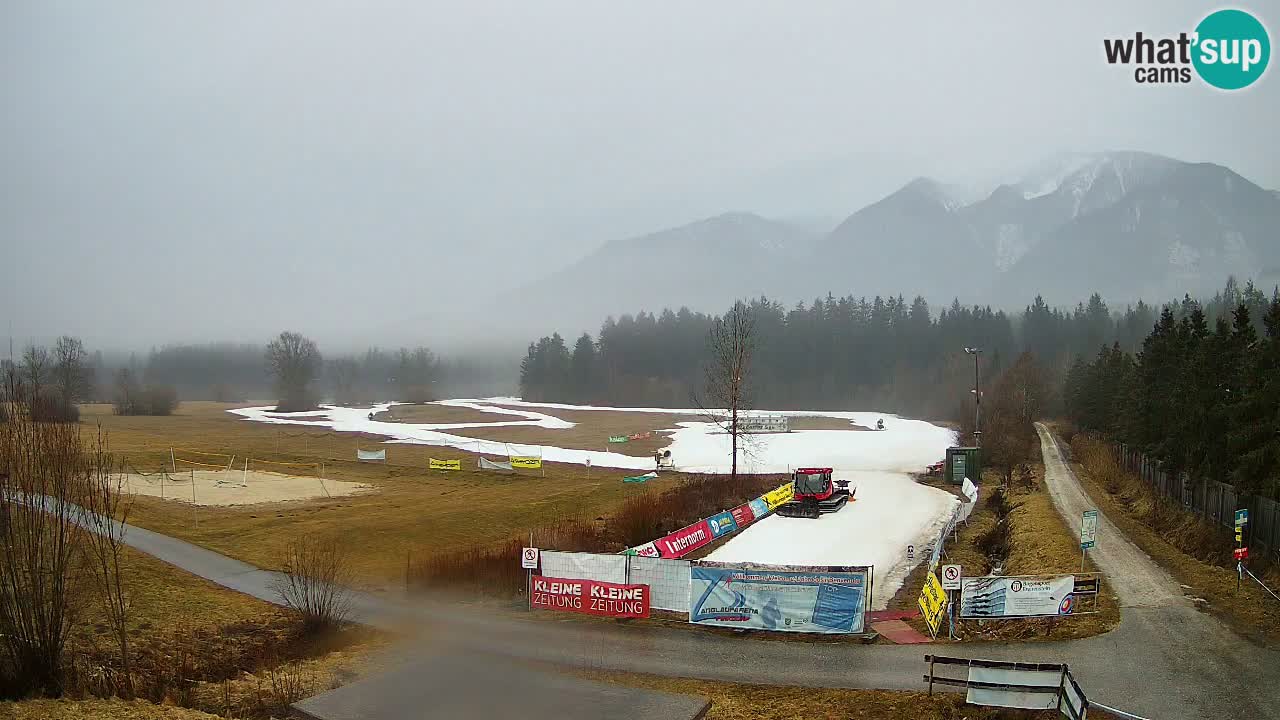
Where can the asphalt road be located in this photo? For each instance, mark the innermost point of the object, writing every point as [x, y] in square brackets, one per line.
[1165, 660]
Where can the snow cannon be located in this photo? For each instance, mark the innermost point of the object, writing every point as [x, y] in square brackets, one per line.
[880, 424]
[662, 460]
[816, 493]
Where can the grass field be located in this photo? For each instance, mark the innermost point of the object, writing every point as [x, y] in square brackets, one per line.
[410, 511]
[164, 598]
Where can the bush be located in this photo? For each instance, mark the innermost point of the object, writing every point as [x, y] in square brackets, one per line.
[160, 400]
[316, 581]
[133, 399]
[50, 406]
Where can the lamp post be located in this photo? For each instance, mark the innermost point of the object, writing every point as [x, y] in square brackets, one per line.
[977, 398]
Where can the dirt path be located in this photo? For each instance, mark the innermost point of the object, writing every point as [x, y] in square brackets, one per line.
[1132, 573]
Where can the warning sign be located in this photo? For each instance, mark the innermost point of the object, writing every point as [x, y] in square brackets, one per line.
[950, 577]
[529, 558]
[933, 600]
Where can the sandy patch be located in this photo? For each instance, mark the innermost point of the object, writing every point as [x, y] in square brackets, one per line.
[234, 487]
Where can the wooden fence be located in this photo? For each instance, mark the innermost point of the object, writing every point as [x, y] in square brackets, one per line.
[1213, 501]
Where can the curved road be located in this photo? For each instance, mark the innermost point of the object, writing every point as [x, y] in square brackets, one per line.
[1165, 660]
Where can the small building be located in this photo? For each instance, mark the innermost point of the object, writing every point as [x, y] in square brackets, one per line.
[963, 462]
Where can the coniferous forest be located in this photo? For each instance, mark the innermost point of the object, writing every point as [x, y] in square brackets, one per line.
[1195, 383]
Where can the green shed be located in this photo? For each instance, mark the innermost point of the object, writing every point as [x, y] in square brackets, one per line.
[963, 462]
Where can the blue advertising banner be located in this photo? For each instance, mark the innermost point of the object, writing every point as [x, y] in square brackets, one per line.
[722, 524]
[759, 507]
[811, 600]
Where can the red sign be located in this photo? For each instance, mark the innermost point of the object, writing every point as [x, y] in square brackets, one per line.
[743, 516]
[685, 540]
[1241, 553]
[590, 597]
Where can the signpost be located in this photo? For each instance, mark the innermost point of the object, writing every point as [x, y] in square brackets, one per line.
[1088, 533]
[1241, 552]
[911, 553]
[950, 583]
[529, 561]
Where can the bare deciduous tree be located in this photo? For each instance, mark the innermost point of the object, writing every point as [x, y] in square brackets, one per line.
[35, 367]
[72, 374]
[315, 582]
[294, 361]
[731, 343]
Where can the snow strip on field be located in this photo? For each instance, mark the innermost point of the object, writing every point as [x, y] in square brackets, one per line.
[891, 511]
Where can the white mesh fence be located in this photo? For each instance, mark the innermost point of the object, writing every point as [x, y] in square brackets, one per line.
[668, 581]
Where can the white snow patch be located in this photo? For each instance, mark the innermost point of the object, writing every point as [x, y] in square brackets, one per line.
[889, 513]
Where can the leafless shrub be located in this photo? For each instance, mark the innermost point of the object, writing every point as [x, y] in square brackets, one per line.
[315, 582]
[42, 466]
[49, 405]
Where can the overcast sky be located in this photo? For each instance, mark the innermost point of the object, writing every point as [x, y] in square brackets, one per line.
[200, 170]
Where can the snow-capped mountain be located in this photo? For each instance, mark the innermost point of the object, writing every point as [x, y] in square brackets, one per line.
[1129, 225]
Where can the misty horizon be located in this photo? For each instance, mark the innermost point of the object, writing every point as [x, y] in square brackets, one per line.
[377, 175]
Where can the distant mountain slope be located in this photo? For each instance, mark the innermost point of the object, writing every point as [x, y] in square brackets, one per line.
[1183, 233]
[703, 265]
[1127, 224]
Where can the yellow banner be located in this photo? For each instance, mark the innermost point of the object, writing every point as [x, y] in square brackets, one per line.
[779, 496]
[435, 464]
[933, 600]
[532, 463]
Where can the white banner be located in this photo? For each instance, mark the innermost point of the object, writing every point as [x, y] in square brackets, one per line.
[1015, 698]
[1010, 597]
[371, 455]
[585, 566]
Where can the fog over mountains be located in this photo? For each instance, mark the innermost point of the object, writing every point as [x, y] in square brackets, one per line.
[1126, 224]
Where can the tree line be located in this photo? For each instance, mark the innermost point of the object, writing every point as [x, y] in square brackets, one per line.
[1201, 395]
[833, 353]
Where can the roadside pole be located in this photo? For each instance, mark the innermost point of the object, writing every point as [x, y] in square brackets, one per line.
[529, 561]
[1241, 552]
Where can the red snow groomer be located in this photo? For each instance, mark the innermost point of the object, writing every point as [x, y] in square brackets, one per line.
[815, 493]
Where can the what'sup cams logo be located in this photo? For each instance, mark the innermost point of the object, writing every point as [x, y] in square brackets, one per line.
[1229, 50]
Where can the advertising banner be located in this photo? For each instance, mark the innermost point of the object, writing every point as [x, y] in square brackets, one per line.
[779, 496]
[932, 602]
[743, 516]
[1013, 597]
[685, 540]
[722, 524]
[371, 455]
[527, 462]
[617, 438]
[759, 507]
[648, 550]
[812, 600]
[590, 597]
[435, 464]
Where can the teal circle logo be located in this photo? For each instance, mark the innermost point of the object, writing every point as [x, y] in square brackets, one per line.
[1231, 50]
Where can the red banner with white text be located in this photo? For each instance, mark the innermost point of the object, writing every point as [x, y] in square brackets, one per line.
[590, 597]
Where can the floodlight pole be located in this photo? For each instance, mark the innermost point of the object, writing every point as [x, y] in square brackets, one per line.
[977, 397]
